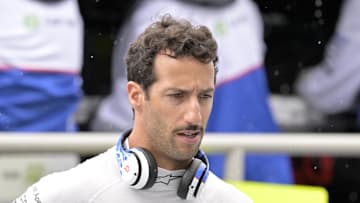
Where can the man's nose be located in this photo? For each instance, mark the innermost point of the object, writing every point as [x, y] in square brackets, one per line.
[193, 113]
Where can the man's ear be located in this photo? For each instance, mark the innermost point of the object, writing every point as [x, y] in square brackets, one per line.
[135, 95]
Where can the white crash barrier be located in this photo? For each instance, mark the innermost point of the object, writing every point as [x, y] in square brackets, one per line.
[24, 157]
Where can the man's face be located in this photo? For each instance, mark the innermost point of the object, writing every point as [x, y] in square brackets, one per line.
[178, 107]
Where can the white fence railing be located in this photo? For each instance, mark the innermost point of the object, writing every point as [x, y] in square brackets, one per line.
[234, 145]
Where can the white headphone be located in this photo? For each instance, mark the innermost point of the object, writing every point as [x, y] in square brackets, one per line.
[138, 168]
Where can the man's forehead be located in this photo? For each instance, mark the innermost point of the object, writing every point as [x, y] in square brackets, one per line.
[184, 89]
[182, 69]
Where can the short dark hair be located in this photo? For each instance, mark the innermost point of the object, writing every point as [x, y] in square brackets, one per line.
[179, 37]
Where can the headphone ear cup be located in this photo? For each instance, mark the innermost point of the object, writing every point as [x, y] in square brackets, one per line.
[129, 167]
[138, 167]
[148, 168]
[189, 184]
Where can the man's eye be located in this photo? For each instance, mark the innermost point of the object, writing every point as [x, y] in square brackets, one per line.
[206, 96]
[177, 95]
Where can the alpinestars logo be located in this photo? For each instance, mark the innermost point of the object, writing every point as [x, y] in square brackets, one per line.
[166, 179]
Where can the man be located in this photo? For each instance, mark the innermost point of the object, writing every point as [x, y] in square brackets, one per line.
[241, 99]
[171, 71]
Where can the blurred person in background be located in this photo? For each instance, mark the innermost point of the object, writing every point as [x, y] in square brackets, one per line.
[332, 87]
[41, 50]
[241, 96]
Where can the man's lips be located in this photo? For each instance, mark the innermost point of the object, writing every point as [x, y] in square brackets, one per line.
[188, 133]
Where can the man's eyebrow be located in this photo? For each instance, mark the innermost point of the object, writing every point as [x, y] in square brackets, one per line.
[208, 90]
[176, 89]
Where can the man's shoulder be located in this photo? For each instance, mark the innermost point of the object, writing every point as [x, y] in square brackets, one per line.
[79, 183]
[218, 190]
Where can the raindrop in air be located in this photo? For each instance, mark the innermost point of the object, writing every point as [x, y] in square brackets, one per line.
[318, 13]
[353, 196]
[285, 88]
[318, 3]
[276, 73]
